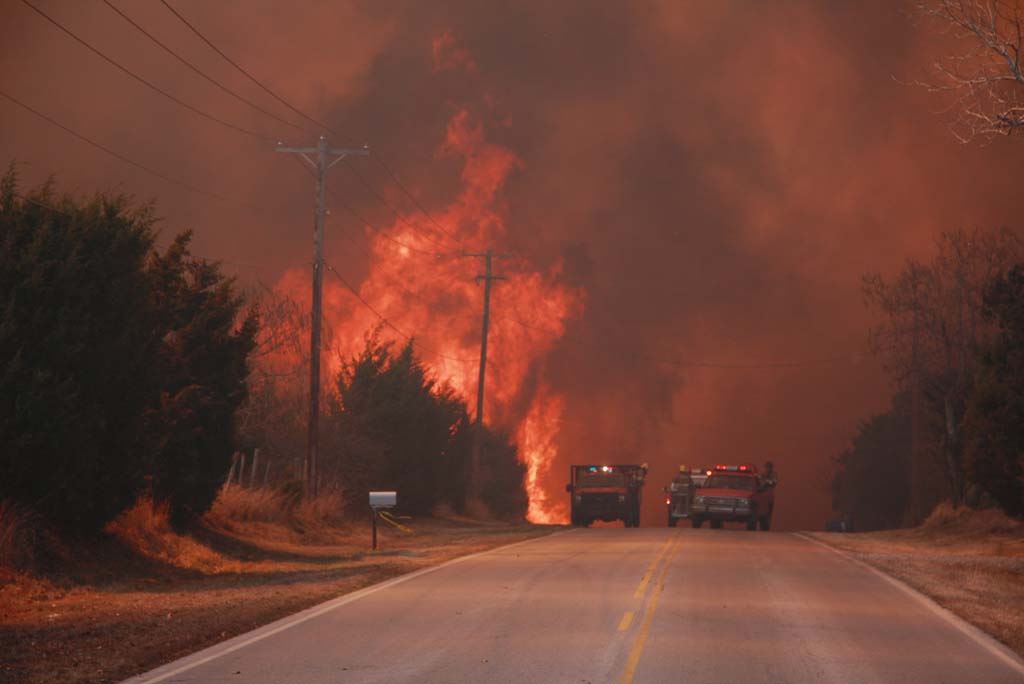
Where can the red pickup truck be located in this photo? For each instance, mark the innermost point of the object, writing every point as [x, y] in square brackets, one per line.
[734, 493]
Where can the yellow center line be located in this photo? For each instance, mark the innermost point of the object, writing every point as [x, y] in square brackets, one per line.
[642, 587]
[645, 626]
[627, 620]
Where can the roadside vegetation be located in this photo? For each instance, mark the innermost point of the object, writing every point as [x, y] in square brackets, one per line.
[153, 423]
[951, 328]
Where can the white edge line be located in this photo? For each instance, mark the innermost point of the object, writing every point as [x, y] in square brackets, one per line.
[247, 639]
[986, 641]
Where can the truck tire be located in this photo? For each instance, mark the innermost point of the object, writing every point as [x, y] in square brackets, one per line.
[695, 523]
[765, 522]
[672, 522]
[752, 524]
[716, 524]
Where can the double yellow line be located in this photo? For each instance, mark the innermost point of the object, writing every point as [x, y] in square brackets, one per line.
[658, 568]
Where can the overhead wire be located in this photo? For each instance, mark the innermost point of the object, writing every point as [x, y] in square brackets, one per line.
[113, 153]
[383, 319]
[144, 81]
[411, 196]
[395, 179]
[398, 214]
[359, 217]
[197, 70]
[199, 34]
[242, 70]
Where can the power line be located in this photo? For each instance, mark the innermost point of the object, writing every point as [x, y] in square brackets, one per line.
[144, 81]
[323, 126]
[401, 186]
[401, 218]
[198, 71]
[112, 153]
[380, 231]
[387, 322]
[242, 70]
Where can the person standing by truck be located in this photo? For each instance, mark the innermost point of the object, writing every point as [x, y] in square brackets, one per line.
[680, 495]
[769, 478]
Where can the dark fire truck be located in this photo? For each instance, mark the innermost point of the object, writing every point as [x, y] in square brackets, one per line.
[605, 492]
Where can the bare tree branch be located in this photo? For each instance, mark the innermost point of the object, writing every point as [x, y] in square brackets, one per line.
[985, 79]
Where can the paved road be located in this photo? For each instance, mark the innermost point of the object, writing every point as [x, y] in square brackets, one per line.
[617, 605]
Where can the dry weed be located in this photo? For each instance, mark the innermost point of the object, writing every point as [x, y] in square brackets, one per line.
[968, 521]
[249, 505]
[146, 529]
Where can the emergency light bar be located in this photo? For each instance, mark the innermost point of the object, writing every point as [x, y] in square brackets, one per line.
[745, 468]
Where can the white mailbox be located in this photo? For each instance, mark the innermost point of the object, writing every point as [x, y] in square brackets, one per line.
[383, 499]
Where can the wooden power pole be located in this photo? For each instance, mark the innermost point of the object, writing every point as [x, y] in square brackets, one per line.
[322, 159]
[478, 434]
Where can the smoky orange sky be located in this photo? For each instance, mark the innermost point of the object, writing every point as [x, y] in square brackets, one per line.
[694, 190]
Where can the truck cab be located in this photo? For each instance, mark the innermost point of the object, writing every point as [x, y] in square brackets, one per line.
[734, 493]
[605, 492]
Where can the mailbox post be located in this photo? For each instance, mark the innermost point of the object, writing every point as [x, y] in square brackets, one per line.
[379, 501]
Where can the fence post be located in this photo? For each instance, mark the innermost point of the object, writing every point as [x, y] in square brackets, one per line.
[255, 465]
[234, 462]
[266, 474]
[241, 471]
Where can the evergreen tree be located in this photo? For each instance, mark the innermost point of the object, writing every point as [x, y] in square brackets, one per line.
[76, 352]
[116, 362]
[394, 426]
[202, 371]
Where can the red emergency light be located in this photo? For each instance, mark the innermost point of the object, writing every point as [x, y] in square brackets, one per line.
[744, 468]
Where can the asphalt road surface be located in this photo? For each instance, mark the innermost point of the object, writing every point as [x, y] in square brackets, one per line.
[619, 605]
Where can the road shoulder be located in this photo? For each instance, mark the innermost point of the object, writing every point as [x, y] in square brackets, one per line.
[983, 604]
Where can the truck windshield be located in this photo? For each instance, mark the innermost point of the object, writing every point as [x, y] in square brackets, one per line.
[740, 482]
[600, 479]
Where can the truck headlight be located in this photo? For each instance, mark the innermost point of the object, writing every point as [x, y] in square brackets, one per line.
[622, 498]
[578, 498]
[699, 500]
[743, 503]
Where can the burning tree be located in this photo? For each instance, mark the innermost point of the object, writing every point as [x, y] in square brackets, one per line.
[985, 76]
[392, 424]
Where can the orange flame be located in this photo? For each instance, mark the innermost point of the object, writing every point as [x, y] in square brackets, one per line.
[536, 439]
[419, 282]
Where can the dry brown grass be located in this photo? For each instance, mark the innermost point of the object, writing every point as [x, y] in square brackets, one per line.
[237, 503]
[146, 529]
[951, 523]
[970, 562]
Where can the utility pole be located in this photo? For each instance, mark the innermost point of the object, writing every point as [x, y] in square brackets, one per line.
[324, 158]
[478, 437]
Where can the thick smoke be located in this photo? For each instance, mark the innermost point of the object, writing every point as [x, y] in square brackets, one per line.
[713, 177]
